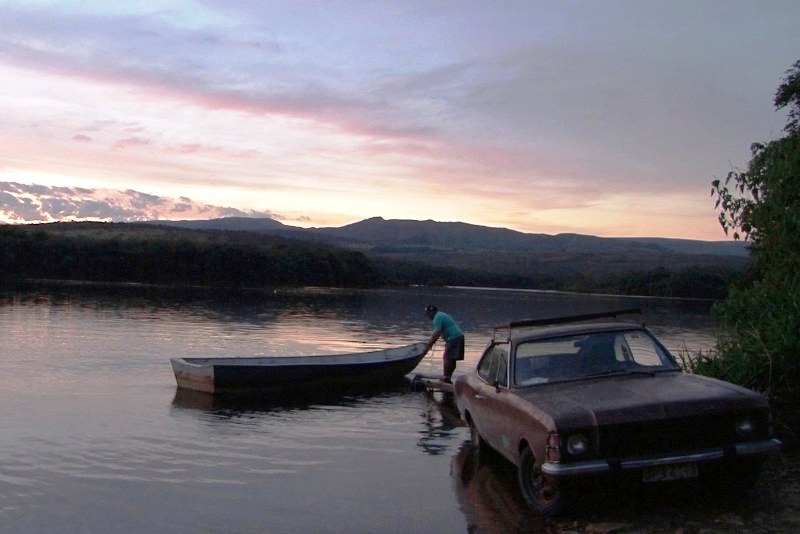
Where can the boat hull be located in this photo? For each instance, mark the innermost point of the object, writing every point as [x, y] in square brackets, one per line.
[275, 374]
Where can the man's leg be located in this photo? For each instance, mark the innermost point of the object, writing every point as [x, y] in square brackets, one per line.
[449, 368]
[453, 351]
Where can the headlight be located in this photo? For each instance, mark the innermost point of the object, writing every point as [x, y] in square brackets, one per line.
[745, 427]
[577, 444]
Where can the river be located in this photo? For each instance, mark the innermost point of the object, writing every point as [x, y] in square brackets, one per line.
[96, 437]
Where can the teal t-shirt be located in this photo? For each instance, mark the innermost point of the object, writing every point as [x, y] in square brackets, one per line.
[446, 326]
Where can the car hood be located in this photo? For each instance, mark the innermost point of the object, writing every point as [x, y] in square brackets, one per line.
[621, 399]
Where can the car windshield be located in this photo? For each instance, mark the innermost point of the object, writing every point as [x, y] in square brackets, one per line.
[585, 355]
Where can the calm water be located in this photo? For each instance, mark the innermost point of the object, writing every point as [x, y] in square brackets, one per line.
[95, 436]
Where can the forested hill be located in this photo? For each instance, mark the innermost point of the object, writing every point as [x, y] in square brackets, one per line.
[266, 257]
[118, 252]
[378, 233]
[516, 259]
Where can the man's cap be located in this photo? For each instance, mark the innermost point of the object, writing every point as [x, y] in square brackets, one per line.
[430, 308]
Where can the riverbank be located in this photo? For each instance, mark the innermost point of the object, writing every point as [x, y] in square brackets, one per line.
[773, 505]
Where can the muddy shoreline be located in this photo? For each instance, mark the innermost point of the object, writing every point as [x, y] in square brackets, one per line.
[772, 505]
[490, 499]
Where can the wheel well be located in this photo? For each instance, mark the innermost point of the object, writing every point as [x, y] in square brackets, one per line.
[467, 417]
[523, 444]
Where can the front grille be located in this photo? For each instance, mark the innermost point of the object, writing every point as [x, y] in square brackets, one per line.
[666, 436]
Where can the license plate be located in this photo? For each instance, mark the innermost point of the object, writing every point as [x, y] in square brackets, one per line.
[661, 473]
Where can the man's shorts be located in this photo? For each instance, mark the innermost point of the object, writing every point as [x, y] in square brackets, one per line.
[454, 349]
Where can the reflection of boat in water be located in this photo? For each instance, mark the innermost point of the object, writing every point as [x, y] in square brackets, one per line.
[237, 403]
[279, 374]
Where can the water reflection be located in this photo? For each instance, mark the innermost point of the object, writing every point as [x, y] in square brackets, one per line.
[487, 492]
[440, 420]
[302, 399]
[96, 424]
[362, 318]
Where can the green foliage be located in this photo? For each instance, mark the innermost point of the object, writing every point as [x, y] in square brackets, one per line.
[692, 282]
[761, 321]
[127, 253]
[761, 351]
[788, 94]
[102, 252]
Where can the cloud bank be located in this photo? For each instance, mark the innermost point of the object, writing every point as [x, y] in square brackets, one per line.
[610, 118]
[36, 203]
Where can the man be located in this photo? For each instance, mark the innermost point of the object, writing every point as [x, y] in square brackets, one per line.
[444, 326]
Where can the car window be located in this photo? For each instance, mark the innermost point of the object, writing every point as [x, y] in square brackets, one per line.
[485, 365]
[493, 366]
[502, 368]
[643, 350]
[547, 347]
[543, 360]
[590, 354]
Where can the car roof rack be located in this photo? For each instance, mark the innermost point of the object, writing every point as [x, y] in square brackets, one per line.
[526, 323]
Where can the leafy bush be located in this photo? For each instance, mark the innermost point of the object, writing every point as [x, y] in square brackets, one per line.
[760, 347]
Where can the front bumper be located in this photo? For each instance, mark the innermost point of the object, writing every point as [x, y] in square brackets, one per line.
[594, 467]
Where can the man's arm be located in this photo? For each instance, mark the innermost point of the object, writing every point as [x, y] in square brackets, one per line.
[432, 340]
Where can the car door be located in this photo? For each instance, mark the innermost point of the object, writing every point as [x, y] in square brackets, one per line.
[490, 396]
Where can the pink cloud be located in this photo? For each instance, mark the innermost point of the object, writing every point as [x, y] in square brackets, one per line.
[130, 142]
[197, 148]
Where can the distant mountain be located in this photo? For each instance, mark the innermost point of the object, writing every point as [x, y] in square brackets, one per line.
[242, 224]
[405, 233]
[381, 233]
[690, 246]
[501, 250]
[233, 250]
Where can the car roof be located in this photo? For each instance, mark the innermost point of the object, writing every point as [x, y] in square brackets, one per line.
[531, 329]
[544, 332]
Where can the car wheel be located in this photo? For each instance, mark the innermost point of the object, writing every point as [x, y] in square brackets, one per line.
[475, 438]
[542, 493]
[733, 479]
[747, 474]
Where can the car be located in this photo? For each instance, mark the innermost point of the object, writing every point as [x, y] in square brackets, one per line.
[598, 397]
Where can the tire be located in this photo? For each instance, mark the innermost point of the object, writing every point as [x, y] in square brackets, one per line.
[478, 443]
[747, 474]
[542, 493]
[733, 479]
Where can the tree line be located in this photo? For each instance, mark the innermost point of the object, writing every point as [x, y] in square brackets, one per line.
[176, 258]
[761, 317]
[104, 252]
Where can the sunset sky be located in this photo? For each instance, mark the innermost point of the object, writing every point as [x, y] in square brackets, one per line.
[608, 118]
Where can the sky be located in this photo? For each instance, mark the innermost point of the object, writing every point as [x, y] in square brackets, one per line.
[607, 118]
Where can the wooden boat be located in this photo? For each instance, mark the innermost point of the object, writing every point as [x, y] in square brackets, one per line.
[327, 372]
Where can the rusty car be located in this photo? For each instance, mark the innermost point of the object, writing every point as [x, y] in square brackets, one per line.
[598, 397]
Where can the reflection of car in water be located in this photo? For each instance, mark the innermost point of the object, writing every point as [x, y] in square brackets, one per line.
[486, 489]
[569, 400]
